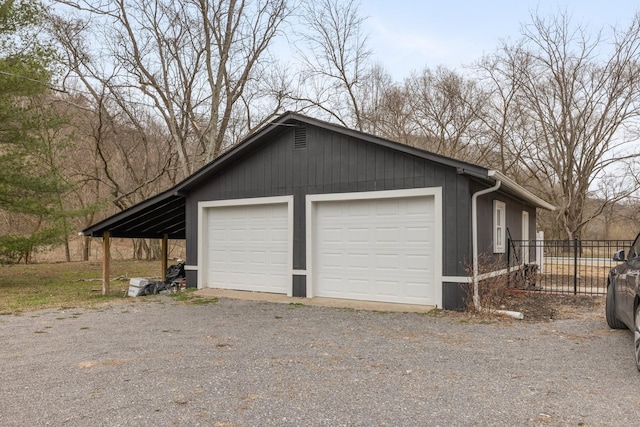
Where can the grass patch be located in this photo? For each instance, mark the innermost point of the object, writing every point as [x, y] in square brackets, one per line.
[66, 285]
[202, 301]
[188, 296]
[296, 305]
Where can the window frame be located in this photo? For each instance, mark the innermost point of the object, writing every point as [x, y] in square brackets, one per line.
[499, 226]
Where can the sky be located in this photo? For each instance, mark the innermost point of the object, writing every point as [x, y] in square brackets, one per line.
[407, 35]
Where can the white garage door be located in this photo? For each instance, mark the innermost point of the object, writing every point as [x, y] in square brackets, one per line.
[247, 248]
[376, 250]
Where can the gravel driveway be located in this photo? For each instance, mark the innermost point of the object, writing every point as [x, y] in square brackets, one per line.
[155, 361]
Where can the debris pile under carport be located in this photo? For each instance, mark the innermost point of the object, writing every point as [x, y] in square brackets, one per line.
[175, 282]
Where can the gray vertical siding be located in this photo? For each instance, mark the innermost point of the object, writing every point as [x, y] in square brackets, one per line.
[336, 163]
[456, 296]
[514, 210]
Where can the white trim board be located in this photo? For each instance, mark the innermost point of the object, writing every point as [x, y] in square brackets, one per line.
[457, 279]
[489, 275]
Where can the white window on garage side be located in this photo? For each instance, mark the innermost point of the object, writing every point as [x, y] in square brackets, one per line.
[499, 226]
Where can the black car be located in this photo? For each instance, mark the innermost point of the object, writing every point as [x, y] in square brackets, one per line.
[623, 294]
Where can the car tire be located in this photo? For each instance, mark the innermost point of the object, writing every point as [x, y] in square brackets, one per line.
[636, 336]
[610, 309]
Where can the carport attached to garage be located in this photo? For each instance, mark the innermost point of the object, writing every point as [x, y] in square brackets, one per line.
[366, 218]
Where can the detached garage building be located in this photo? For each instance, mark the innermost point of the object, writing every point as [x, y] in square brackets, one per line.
[308, 208]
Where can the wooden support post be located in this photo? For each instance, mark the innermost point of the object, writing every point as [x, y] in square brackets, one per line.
[106, 261]
[165, 255]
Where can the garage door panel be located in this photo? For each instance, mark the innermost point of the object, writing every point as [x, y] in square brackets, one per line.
[414, 209]
[358, 288]
[415, 291]
[332, 260]
[279, 234]
[228, 279]
[259, 235]
[237, 236]
[385, 255]
[255, 279]
[421, 235]
[417, 264]
[386, 234]
[331, 235]
[333, 286]
[249, 247]
[358, 261]
[356, 235]
[258, 257]
[278, 260]
[385, 209]
[356, 211]
[386, 262]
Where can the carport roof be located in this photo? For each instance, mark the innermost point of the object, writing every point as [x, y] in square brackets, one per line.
[164, 214]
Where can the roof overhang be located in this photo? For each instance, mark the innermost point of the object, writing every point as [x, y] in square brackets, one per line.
[520, 191]
[155, 218]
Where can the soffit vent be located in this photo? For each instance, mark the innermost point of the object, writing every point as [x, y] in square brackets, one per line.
[300, 138]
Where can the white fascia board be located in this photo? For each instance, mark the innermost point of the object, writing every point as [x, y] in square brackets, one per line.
[521, 191]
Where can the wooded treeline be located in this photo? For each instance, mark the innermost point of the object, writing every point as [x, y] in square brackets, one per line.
[103, 104]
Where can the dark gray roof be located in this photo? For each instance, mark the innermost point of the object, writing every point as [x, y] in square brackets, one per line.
[164, 214]
[292, 119]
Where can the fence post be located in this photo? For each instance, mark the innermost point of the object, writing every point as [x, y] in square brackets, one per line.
[575, 266]
[508, 263]
[540, 251]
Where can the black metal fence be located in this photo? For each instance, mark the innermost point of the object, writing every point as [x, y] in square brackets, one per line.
[562, 266]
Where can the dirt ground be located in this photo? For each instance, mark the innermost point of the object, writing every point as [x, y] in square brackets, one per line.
[538, 307]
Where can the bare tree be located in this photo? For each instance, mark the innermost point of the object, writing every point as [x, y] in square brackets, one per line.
[385, 106]
[505, 124]
[574, 98]
[445, 108]
[187, 62]
[335, 61]
[109, 159]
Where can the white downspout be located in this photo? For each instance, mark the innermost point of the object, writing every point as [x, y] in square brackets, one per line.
[474, 237]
